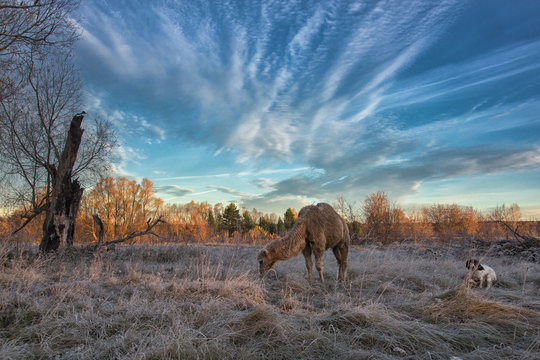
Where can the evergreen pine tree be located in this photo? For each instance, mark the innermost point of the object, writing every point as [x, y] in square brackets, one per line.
[281, 227]
[231, 218]
[289, 218]
[211, 221]
[247, 221]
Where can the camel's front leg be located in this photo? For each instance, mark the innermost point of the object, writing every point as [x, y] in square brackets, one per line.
[319, 262]
[309, 264]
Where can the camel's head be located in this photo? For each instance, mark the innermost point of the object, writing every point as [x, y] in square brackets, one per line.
[265, 263]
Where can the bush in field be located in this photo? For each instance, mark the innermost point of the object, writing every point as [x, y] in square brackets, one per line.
[418, 226]
[452, 221]
[258, 235]
[383, 221]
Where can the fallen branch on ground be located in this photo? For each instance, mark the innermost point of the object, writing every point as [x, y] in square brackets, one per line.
[149, 226]
[518, 236]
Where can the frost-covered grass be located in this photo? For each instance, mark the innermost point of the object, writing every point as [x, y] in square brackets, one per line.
[188, 302]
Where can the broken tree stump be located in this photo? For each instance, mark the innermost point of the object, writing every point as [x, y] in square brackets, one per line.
[59, 224]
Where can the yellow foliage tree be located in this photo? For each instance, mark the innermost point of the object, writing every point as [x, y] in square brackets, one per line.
[122, 204]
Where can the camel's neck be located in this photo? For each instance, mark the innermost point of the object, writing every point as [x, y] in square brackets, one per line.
[291, 244]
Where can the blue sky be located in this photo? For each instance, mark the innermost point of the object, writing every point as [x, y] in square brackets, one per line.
[277, 104]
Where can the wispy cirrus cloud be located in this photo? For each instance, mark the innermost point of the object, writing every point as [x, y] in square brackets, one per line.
[230, 191]
[478, 73]
[243, 76]
[335, 87]
[124, 154]
[263, 183]
[239, 174]
[174, 190]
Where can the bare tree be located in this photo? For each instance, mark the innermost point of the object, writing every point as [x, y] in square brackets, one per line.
[31, 26]
[377, 213]
[350, 213]
[34, 22]
[34, 123]
[39, 93]
[150, 224]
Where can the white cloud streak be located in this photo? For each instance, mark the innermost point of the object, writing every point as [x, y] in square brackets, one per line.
[326, 86]
[230, 191]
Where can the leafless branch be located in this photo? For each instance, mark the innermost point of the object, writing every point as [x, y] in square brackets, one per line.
[31, 23]
[517, 235]
[148, 231]
[31, 216]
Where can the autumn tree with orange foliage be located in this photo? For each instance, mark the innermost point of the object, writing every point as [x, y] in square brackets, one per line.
[190, 222]
[123, 205]
[383, 221]
[418, 226]
[453, 221]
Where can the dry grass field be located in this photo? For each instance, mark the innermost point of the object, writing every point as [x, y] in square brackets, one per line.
[189, 302]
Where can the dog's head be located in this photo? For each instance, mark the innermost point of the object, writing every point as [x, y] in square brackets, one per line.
[473, 264]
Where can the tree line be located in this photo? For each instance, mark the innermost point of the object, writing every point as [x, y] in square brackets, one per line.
[125, 206]
[379, 219]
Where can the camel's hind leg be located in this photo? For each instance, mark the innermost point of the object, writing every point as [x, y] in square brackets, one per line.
[309, 264]
[341, 252]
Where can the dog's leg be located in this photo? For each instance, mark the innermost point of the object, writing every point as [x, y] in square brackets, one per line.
[482, 279]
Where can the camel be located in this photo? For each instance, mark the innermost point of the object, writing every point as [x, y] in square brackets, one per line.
[317, 229]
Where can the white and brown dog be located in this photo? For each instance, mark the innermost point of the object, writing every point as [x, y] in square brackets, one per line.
[481, 272]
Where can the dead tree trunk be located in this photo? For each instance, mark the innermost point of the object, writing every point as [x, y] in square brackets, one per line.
[101, 234]
[59, 225]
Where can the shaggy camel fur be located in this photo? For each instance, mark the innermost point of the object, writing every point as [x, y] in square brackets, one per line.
[317, 229]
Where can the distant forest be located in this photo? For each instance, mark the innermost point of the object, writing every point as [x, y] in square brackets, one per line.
[126, 206]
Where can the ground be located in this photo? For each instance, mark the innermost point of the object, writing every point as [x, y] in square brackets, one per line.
[208, 302]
